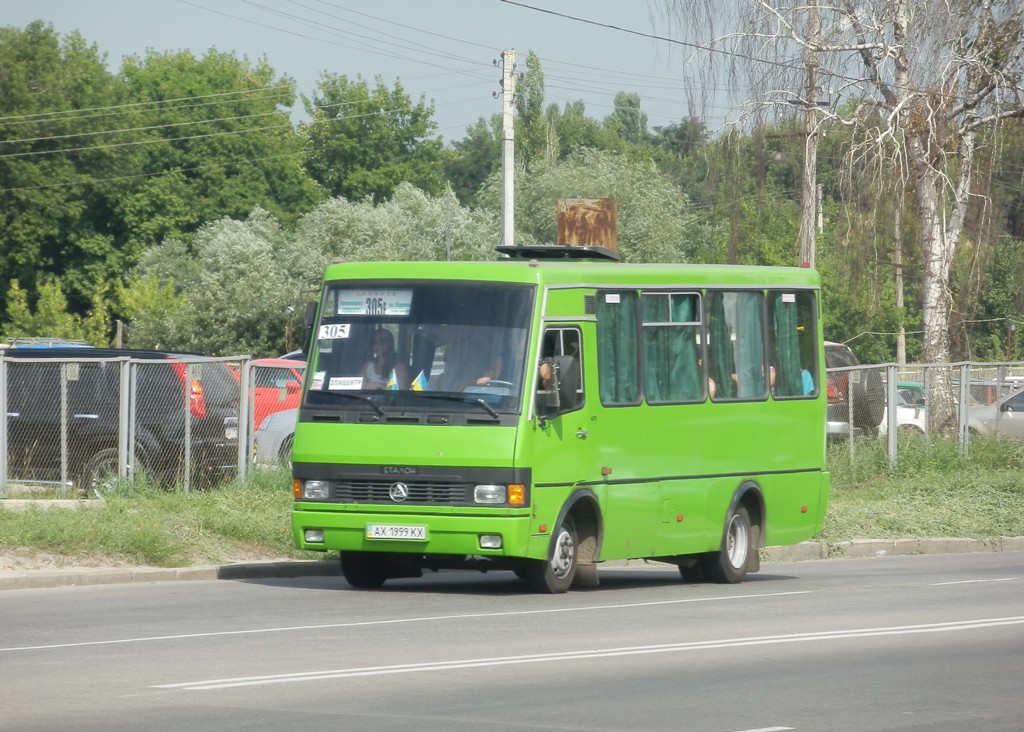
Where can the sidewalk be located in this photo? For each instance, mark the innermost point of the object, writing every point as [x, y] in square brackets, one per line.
[49, 578]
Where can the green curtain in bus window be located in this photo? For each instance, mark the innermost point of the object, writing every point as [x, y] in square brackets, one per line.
[787, 345]
[686, 364]
[671, 362]
[618, 373]
[749, 346]
[720, 349]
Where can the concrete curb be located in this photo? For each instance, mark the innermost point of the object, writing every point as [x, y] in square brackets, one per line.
[806, 551]
[83, 576]
[860, 548]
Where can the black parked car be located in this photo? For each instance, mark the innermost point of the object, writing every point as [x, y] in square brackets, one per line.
[65, 408]
[863, 388]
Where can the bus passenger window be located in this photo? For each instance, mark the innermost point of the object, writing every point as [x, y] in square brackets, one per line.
[794, 343]
[671, 343]
[618, 373]
[736, 346]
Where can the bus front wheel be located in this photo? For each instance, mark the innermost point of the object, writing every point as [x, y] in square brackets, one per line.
[729, 565]
[555, 575]
[364, 570]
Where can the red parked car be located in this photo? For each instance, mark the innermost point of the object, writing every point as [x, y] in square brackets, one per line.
[276, 385]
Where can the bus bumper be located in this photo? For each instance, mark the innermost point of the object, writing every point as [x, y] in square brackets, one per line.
[445, 535]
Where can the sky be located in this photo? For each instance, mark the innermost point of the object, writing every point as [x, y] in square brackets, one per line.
[443, 50]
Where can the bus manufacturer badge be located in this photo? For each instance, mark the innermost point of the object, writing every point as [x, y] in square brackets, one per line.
[398, 492]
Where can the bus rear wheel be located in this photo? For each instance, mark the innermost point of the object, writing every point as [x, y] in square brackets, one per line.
[364, 570]
[729, 565]
[555, 575]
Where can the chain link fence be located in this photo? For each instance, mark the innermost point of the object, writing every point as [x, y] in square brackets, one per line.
[899, 403]
[76, 426]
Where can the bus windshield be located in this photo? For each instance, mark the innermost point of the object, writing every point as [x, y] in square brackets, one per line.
[413, 344]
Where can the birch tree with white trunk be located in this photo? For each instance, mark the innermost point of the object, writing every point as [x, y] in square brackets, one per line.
[916, 80]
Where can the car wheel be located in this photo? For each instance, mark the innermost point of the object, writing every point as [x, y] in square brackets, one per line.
[729, 564]
[555, 574]
[284, 455]
[100, 475]
[868, 401]
[364, 570]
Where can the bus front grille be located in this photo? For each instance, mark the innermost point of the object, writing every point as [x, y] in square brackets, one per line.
[435, 493]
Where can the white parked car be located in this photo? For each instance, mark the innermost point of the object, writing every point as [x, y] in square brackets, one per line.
[1003, 417]
[909, 417]
[272, 441]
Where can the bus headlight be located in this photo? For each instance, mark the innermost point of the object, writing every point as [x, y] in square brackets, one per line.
[314, 536]
[316, 490]
[489, 494]
[490, 541]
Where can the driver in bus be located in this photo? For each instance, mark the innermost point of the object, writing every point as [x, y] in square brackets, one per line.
[384, 363]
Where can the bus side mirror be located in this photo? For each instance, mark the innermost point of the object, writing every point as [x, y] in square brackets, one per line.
[308, 320]
[567, 381]
[561, 396]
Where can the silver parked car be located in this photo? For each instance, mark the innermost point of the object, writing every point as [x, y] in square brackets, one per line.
[272, 442]
[1003, 417]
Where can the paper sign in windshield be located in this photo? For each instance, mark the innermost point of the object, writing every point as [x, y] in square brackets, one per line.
[332, 331]
[375, 302]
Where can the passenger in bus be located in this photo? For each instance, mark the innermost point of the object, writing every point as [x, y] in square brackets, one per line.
[384, 363]
[807, 381]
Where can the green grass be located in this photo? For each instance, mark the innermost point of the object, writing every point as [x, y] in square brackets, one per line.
[933, 491]
[143, 525]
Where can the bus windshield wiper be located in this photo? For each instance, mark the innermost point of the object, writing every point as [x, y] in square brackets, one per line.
[360, 397]
[464, 399]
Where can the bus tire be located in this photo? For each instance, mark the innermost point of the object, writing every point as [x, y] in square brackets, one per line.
[555, 574]
[364, 570]
[693, 573]
[729, 564]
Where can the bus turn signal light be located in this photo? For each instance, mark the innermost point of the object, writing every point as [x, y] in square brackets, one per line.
[516, 494]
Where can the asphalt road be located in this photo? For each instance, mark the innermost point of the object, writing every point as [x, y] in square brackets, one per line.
[895, 643]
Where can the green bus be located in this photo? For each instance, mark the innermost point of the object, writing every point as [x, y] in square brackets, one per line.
[555, 409]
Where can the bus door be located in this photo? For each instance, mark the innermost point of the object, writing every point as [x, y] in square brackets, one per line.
[561, 450]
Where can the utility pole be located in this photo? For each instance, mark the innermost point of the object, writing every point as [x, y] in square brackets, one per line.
[508, 134]
[810, 177]
[897, 260]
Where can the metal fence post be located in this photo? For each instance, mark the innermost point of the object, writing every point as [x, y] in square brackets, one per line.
[186, 484]
[965, 394]
[133, 415]
[890, 411]
[123, 427]
[3, 427]
[245, 416]
[65, 367]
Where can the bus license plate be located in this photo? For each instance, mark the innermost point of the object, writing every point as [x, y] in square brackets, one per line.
[391, 531]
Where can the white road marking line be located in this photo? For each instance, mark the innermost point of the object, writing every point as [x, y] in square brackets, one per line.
[767, 729]
[398, 621]
[971, 582]
[229, 683]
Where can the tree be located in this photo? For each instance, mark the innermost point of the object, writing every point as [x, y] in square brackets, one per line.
[411, 225]
[362, 142]
[476, 156]
[923, 79]
[63, 165]
[654, 223]
[230, 291]
[220, 142]
[534, 133]
[51, 319]
[573, 130]
[628, 120]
